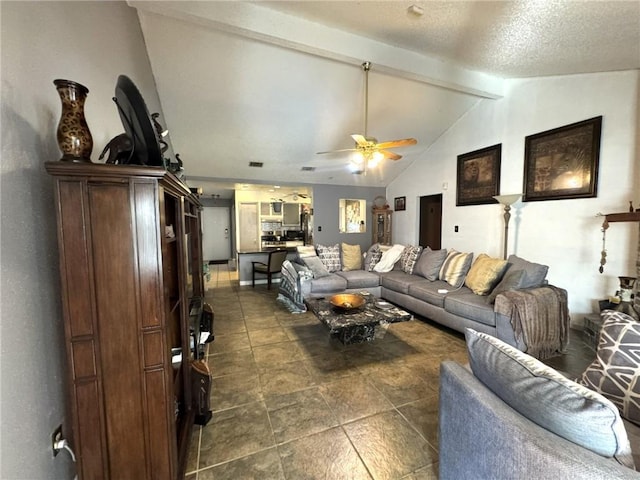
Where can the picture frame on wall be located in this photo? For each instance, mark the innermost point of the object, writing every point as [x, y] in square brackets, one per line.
[562, 163]
[478, 176]
[400, 204]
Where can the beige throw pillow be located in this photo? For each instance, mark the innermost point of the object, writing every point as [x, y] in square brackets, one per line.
[351, 257]
[484, 274]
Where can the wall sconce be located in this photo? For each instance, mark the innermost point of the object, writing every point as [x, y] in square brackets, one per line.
[507, 201]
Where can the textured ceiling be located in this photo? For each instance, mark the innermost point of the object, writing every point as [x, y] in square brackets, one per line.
[508, 38]
[276, 82]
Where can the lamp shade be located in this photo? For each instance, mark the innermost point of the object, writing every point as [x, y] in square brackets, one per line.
[508, 200]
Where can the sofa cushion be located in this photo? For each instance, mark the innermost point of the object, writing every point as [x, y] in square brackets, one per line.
[389, 259]
[455, 268]
[535, 273]
[430, 263]
[484, 274]
[547, 398]
[316, 266]
[467, 304]
[427, 291]
[330, 256]
[351, 257]
[511, 280]
[330, 284]
[615, 372]
[409, 257]
[399, 281]
[360, 279]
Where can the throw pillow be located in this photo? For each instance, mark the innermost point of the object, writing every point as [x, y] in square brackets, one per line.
[615, 372]
[547, 398]
[429, 263]
[351, 257]
[306, 251]
[511, 280]
[389, 259]
[455, 268]
[484, 274]
[330, 256]
[373, 256]
[316, 266]
[535, 273]
[409, 257]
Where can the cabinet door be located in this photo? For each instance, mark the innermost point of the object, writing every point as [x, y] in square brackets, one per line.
[291, 214]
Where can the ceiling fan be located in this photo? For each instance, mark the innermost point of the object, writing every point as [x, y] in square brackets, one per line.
[369, 151]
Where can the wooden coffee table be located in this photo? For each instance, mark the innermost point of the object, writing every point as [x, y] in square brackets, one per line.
[361, 325]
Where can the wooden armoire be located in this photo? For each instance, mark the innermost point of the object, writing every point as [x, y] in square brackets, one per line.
[131, 269]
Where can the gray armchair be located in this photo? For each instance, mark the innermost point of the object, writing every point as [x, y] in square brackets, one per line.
[273, 265]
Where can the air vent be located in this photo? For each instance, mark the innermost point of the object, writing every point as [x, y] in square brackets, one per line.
[308, 169]
[256, 164]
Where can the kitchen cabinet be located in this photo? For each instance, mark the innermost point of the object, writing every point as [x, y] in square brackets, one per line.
[291, 214]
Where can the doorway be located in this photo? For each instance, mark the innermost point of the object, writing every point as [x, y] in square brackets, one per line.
[431, 221]
[216, 234]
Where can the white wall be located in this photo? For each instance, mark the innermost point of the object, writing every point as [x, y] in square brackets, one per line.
[564, 234]
[91, 43]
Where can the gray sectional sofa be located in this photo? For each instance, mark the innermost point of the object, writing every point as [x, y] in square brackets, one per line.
[437, 300]
[472, 415]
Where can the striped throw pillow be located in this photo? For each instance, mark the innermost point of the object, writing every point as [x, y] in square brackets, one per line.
[455, 268]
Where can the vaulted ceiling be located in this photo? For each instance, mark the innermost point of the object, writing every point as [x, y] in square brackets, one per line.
[275, 82]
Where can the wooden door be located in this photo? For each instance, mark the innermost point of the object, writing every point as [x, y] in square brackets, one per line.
[431, 221]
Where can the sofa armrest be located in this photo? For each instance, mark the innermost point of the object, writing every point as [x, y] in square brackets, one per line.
[534, 320]
[480, 437]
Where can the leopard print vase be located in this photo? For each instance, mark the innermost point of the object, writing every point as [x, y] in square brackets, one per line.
[74, 137]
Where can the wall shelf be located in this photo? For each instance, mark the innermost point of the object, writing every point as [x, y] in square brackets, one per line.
[623, 217]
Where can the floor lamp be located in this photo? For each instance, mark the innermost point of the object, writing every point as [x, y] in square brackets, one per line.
[507, 201]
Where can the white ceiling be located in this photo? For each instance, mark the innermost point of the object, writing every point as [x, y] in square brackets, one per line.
[276, 82]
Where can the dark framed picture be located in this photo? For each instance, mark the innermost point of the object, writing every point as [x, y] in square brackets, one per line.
[479, 176]
[562, 163]
[400, 203]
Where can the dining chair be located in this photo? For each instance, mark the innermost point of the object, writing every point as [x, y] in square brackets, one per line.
[273, 265]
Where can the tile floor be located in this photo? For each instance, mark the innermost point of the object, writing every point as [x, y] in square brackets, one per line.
[290, 403]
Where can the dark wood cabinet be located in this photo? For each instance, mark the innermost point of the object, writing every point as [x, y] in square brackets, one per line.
[131, 267]
[382, 226]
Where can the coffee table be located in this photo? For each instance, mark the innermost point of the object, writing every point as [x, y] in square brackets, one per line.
[362, 325]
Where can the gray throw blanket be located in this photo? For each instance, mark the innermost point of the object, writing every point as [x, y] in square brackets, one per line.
[540, 317]
[290, 293]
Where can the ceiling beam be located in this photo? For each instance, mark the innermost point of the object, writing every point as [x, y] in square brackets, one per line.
[269, 26]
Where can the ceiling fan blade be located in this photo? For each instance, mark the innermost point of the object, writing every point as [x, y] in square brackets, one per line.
[360, 140]
[390, 155]
[397, 143]
[338, 151]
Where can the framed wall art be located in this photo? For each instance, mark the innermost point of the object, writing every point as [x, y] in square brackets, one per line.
[562, 163]
[399, 204]
[479, 176]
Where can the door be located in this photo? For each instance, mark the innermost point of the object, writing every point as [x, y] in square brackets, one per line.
[431, 221]
[248, 226]
[216, 234]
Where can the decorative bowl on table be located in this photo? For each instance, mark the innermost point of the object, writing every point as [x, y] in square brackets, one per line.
[347, 301]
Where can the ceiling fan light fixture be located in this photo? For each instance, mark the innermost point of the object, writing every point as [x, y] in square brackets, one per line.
[357, 158]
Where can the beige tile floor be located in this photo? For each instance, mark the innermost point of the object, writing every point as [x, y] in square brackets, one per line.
[291, 403]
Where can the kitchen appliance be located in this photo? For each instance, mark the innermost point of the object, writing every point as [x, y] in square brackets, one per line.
[294, 238]
[271, 241]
